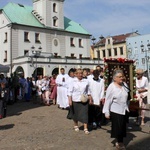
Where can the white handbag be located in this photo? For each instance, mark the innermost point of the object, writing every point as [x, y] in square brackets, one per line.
[84, 98]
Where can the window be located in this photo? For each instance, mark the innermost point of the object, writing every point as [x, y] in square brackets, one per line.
[108, 41]
[137, 63]
[55, 21]
[72, 42]
[143, 60]
[115, 51]
[72, 54]
[26, 36]
[80, 56]
[104, 54]
[98, 54]
[5, 37]
[121, 50]
[54, 7]
[55, 42]
[80, 43]
[109, 52]
[136, 50]
[26, 52]
[5, 57]
[37, 38]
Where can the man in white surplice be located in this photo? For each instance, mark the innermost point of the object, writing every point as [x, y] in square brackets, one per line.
[96, 89]
[61, 81]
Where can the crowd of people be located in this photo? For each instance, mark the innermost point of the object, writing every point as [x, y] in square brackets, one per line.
[82, 92]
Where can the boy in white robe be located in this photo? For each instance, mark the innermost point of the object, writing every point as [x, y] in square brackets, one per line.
[96, 88]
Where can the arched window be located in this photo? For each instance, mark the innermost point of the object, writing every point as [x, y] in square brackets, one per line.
[19, 71]
[55, 71]
[54, 7]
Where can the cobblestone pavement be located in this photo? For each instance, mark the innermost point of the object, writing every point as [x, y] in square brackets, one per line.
[30, 126]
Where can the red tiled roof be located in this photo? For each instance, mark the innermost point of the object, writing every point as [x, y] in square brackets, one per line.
[117, 38]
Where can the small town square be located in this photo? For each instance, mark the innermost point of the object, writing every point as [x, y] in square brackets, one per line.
[74, 75]
[30, 126]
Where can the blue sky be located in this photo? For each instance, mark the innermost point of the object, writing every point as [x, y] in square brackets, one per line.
[105, 17]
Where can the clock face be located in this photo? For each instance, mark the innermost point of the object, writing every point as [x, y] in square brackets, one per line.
[55, 42]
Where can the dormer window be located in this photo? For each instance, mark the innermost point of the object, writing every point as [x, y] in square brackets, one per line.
[54, 7]
[55, 21]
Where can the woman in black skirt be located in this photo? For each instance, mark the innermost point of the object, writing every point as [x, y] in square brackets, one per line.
[78, 87]
[116, 107]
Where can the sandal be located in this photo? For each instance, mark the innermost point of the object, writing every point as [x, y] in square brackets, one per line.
[86, 131]
[76, 128]
[120, 146]
[142, 123]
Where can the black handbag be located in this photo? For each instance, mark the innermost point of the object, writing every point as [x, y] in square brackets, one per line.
[70, 112]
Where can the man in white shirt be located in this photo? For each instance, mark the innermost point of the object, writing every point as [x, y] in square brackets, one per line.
[96, 88]
[61, 81]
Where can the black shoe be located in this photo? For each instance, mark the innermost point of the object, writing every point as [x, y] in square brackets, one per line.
[94, 125]
[99, 125]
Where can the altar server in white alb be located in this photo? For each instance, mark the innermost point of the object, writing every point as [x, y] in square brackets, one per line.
[96, 88]
[61, 81]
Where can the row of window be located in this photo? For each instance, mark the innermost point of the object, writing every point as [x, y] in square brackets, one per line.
[72, 42]
[110, 52]
[26, 37]
[37, 39]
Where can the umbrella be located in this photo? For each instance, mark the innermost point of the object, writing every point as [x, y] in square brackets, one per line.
[4, 69]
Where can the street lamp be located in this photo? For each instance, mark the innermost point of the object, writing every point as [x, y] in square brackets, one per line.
[36, 54]
[146, 57]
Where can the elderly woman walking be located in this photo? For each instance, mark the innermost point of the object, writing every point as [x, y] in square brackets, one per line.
[141, 92]
[116, 107]
[77, 89]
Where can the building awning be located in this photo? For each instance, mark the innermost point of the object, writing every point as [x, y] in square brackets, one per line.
[4, 69]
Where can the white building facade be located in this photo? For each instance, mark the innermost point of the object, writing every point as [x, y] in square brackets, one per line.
[41, 40]
[138, 49]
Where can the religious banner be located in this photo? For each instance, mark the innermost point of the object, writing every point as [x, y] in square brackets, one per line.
[129, 69]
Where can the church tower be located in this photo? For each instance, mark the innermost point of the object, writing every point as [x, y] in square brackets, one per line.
[49, 12]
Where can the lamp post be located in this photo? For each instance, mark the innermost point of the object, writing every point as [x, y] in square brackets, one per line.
[146, 57]
[36, 54]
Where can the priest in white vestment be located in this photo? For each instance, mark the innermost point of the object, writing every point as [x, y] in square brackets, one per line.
[61, 81]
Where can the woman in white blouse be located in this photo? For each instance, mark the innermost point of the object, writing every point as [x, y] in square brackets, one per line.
[142, 92]
[80, 110]
[116, 107]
